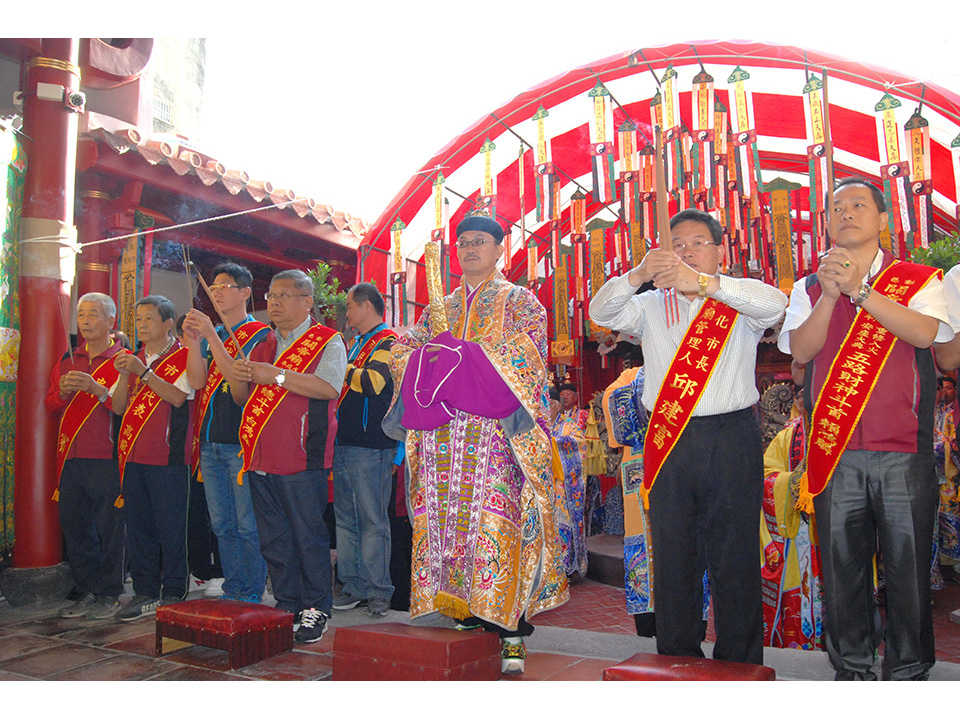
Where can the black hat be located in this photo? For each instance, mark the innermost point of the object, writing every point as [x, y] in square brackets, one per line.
[481, 223]
[568, 386]
[554, 393]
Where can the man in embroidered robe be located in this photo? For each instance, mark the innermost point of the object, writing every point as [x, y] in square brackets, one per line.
[481, 486]
[883, 487]
[80, 393]
[946, 550]
[706, 497]
[568, 430]
[363, 459]
[153, 451]
[289, 386]
[216, 429]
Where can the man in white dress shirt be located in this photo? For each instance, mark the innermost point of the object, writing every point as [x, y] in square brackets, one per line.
[708, 492]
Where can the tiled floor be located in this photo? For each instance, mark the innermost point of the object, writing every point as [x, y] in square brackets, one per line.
[37, 645]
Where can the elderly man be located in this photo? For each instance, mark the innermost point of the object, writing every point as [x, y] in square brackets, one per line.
[216, 444]
[289, 387]
[864, 324]
[81, 385]
[363, 459]
[153, 453]
[703, 455]
[468, 401]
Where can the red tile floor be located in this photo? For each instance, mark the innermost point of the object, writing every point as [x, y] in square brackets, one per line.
[42, 646]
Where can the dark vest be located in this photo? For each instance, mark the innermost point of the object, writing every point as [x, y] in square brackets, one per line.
[899, 415]
[301, 431]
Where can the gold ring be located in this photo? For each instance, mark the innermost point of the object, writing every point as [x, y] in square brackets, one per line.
[847, 264]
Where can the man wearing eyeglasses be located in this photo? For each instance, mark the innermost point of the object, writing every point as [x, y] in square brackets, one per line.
[216, 427]
[703, 454]
[468, 401]
[289, 387]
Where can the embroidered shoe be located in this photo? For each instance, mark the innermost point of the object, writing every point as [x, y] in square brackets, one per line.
[80, 608]
[140, 606]
[512, 655]
[468, 624]
[313, 624]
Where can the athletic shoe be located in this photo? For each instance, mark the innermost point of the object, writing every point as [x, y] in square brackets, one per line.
[346, 601]
[214, 588]
[140, 606]
[80, 608]
[313, 624]
[377, 607]
[512, 655]
[171, 600]
[104, 609]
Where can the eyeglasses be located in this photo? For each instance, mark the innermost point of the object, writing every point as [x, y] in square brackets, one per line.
[695, 246]
[282, 297]
[476, 242]
[222, 286]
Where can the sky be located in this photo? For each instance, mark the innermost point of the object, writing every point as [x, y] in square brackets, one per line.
[345, 105]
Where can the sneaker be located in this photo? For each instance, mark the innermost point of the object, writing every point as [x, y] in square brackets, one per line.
[104, 609]
[140, 606]
[213, 588]
[171, 600]
[296, 621]
[80, 608]
[377, 607]
[512, 655]
[346, 601]
[313, 624]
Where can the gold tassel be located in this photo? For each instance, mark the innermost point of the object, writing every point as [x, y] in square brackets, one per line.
[56, 495]
[451, 606]
[805, 497]
[645, 496]
[118, 503]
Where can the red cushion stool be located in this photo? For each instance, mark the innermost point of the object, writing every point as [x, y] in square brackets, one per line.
[394, 651]
[247, 631]
[649, 666]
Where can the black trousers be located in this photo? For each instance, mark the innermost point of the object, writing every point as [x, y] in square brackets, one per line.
[704, 515]
[892, 498]
[92, 525]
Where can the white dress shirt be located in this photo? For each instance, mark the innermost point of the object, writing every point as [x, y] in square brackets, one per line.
[733, 383]
[929, 300]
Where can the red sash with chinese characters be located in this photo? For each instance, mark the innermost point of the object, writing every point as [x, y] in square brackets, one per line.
[143, 404]
[245, 334]
[684, 384]
[79, 410]
[366, 351]
[265, 399]
[852, 377]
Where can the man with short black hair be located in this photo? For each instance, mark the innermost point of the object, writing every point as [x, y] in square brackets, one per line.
[703, 454]
[216, 443]
[363, 459]
[288, 386]
[81, 386]
[864, 324]
[152, 450]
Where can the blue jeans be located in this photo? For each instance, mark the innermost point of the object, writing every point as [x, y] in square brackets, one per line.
[361, 496]
[294, 538]
[233, 521]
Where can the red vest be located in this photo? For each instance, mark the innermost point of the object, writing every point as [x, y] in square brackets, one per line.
[301, 432]
[899, 414]
[164, 439]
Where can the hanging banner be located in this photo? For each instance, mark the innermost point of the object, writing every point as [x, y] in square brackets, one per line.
[780, 190]
[596, 231]
[398, 278]
[917, 136]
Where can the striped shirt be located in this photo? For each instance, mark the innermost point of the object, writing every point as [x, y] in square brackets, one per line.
[733, 385]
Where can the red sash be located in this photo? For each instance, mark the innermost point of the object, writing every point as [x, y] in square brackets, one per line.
[142, 405]
[365, 352]
[683, 385]
[265, 399]
[79, 410]
[245, 334]
[852, 377]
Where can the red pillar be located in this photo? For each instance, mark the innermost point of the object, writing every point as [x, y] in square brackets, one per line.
[93, 268]
[46, 275]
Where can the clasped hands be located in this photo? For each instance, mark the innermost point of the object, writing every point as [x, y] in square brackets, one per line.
[839, 273]
[666, 270]
[259, 373]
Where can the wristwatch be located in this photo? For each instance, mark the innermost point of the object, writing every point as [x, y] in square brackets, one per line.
[281, 377]
[862, 295]
[702, 281]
